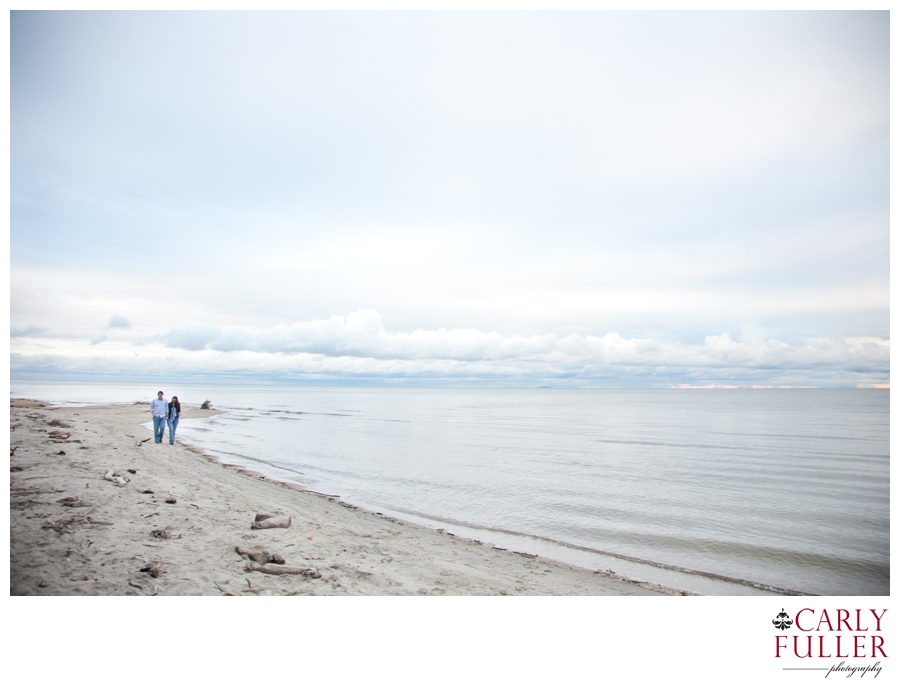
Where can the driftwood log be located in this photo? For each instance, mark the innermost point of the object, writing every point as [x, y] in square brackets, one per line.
[266, 569]
[260, 554]
[271, 523]
[72, 501]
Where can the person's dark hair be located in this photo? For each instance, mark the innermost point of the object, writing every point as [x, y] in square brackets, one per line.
[160, 393]
[175, 402]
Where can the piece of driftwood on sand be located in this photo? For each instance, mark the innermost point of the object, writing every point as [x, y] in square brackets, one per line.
[267, 521]
[266, 569]
[259, 554]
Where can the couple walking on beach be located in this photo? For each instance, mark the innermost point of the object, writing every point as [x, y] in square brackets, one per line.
[165, 413]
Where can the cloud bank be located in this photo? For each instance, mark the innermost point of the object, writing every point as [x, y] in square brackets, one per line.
[362, 335]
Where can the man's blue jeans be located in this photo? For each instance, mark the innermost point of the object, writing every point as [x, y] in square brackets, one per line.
[159, 427]
[173, 424]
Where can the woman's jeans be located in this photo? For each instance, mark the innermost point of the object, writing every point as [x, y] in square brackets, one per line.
[159, 427]
[173, 424]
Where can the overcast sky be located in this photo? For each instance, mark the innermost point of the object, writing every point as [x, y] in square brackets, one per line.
[578, 199]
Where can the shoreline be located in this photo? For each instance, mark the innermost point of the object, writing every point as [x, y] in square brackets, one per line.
[684, 580]
[75, 532]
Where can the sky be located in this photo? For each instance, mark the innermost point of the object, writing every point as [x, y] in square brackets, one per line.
[572, 199]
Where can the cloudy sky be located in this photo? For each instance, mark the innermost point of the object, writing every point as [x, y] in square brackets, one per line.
[566, 199]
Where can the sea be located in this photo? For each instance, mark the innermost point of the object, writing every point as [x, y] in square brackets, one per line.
[710, 491]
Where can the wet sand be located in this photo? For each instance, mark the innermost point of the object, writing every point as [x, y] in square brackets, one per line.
[75, 532]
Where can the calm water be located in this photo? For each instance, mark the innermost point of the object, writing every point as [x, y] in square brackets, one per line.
[783, 488]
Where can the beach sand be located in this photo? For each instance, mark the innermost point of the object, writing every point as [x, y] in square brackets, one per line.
[74, 532]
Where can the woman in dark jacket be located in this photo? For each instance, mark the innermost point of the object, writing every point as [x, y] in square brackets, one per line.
[172, 416]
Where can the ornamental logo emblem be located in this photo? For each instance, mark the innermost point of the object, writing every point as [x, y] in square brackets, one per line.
[782, 620]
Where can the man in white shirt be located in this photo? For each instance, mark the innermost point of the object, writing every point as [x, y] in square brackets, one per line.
[159, 408]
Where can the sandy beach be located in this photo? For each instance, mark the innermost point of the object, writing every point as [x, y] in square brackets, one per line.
[93, 501]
